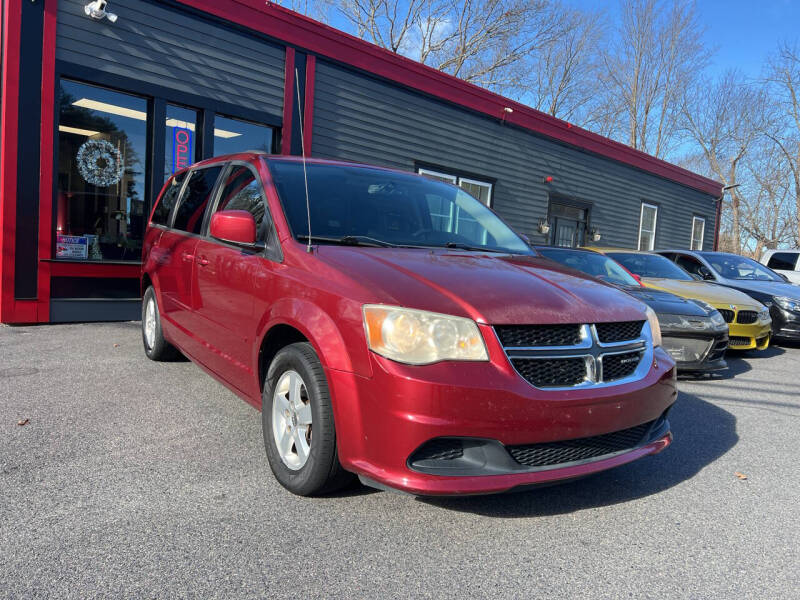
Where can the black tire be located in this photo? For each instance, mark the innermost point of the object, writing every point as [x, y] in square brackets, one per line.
[160, 349]
[322, 473]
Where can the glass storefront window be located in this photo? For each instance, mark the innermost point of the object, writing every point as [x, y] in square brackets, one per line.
[233, 135]
[101, 159]
[180, 143]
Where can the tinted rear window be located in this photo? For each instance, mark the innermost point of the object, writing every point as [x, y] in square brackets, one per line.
[783, 260]
[195, 200]
[168, 199]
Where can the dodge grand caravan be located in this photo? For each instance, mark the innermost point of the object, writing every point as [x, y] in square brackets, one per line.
[405, 335]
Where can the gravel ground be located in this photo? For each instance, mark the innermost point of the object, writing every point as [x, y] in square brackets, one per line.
[139, 479]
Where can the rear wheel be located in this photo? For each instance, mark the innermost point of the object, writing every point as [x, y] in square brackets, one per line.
[297, 422]
[155, 346]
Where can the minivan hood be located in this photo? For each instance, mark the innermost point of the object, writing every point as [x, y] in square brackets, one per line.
[487, 287]
[700, 290]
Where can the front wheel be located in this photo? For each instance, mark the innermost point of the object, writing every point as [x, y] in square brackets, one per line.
[155, 346]
[297, 422]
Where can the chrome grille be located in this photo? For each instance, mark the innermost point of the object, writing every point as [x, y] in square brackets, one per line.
[554, 372]
[618, 366]
[609, 333]
[746, 317]
[555, 357]
[527, 336]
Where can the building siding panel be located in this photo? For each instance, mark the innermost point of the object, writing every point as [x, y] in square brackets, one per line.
[157, 45]
[361, 118]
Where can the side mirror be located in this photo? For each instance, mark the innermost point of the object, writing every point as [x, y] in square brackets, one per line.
[525, 238]
[705, 273]
[637, 278]
[234, 226]
[695, 276]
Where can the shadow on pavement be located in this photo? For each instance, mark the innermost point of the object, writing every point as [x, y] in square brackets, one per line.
[703, 433]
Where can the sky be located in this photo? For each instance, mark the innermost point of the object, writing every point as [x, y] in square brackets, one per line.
[744, 32]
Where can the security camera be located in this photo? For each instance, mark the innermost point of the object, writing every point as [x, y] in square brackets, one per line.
[97, 10]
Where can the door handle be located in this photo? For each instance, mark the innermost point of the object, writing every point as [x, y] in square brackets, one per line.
[202, 261]
[187, 257]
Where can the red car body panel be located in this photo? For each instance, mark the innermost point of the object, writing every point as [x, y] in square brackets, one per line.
[218, 304]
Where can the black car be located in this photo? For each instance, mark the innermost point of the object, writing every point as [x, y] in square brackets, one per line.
[751, 277]
[694, 333]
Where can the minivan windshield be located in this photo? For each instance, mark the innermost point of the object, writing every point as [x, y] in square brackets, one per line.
[593, 264]
[732, 266]
[369, 206]
[650, 265]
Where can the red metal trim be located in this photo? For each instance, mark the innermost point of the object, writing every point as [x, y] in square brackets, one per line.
[9, 126]
[47, 166]
[86, 269]
[308, 112]
[288, 103]
[292, 28]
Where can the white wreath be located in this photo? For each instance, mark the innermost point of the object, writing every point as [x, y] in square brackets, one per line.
[100, 163]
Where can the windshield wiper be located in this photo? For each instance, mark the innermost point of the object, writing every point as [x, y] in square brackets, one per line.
[461, 246]
[350, 240]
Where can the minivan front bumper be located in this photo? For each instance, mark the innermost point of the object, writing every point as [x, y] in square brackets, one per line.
[383, 420]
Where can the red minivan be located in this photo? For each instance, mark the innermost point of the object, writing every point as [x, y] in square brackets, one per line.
[393, 327]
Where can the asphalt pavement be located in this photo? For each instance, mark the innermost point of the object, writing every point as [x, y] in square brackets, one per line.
[130, 479]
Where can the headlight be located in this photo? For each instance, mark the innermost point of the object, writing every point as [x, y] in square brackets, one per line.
[786, 303]
[418, 337]
[655, 327]
[684, 323]
[763, 316]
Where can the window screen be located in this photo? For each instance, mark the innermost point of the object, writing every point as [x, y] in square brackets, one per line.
[242, 191]
[167, 202]
[193, 205]
[785, 261]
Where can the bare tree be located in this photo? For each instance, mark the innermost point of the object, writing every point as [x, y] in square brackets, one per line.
[783, 79]
[561, 77]
[767, 207]
[311, 8]
[656, 56]
[481, 41]
[724, 120]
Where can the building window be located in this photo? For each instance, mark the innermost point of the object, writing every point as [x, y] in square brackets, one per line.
[698, 232]
[180, 143]
[447, 216]
[648, 220]
[235, 135]
[102, 145]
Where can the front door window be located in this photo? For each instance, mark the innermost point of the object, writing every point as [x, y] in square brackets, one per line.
[101, 161]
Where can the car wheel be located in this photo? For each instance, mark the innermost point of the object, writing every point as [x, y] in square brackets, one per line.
[155, 346]
[297, 422]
